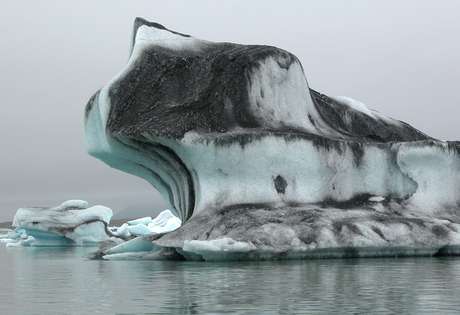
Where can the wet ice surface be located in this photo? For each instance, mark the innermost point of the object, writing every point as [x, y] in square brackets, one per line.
[57, 281]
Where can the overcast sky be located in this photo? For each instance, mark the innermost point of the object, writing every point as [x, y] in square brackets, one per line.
[401, 58]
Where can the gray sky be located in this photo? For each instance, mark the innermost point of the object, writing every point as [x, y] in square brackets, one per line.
[401, 58]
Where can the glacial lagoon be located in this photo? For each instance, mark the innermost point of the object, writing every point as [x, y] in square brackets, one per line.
[56, 280]
[256, 165]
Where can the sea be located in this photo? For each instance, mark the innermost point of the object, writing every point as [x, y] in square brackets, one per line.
[57, 280]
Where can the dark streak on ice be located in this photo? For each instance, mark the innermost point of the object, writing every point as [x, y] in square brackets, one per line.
[359, 125]
[93, 100]
[169, 93]
[280, 184]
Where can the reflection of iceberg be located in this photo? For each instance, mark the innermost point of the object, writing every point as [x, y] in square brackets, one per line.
[71, 223]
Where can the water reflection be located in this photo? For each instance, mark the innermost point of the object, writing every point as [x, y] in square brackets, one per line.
[59, 281]
[345, 286]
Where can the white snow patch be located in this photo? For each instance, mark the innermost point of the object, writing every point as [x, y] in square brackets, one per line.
[164, 38]
[163, 223]
[144, 221]
[139, 229]
[171, 225]
[356, 105]
[71, 204]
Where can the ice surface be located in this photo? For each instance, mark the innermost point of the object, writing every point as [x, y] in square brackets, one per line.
[139, 247]
[71, 223]
[163, 223]
[135, 245]
[162, 218]
[144, 221]
[218, 249]
[5, 232]
[357, 105]
[256, 165]
[171, 225]
[123, 230]
[161, 254]
[71, 204]
[139, 229]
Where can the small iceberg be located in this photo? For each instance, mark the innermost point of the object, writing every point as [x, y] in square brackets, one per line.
[163, 223]
[71, 223]
[142, 232]
[74, 224]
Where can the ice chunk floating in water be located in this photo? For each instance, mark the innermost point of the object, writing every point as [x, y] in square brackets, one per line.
[121, 246]
[259, 166]
[71, 223]
[164, 222]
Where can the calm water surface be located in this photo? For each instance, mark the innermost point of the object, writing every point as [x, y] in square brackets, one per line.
[59, 281]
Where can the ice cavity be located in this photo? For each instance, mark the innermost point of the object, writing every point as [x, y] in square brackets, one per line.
[71, 223]
[257, 165]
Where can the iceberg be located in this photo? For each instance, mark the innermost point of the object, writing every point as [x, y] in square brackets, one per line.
[133, 240]
[7, 235]
[163, 223]
[4, 232]
[257, 165]
[74, 224]
[71, 223]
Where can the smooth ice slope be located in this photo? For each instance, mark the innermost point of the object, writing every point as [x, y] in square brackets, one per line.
[259, 166]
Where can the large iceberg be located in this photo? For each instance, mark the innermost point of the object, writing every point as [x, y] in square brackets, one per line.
[259, 166]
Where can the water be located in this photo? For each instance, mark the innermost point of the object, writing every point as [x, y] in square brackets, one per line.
[59, 281]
